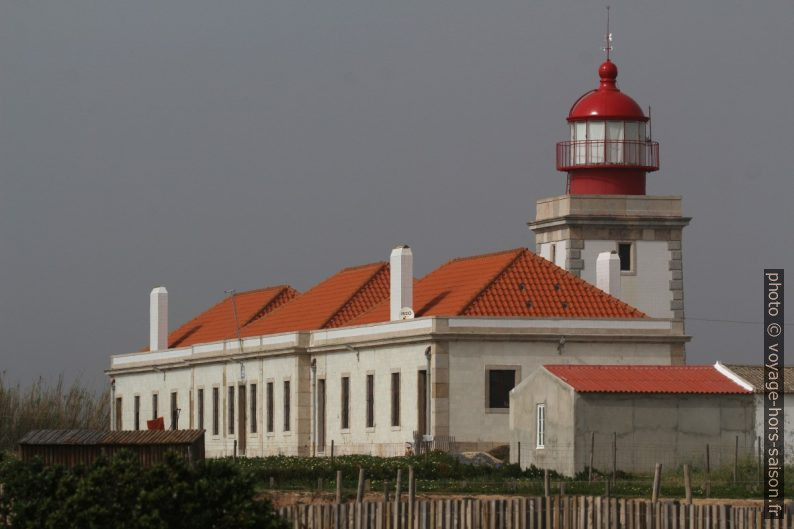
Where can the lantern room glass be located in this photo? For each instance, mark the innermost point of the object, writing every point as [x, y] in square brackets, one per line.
[610, 142]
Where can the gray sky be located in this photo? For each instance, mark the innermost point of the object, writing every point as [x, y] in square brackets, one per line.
[209, 145]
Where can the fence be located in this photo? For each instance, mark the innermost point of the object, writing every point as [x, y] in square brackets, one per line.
[560, 512]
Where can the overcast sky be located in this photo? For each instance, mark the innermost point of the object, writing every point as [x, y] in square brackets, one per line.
[207, 145]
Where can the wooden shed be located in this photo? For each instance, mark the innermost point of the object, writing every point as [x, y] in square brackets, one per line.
[80, 447]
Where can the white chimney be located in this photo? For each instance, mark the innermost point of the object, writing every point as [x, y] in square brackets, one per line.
[158, 319]
[401, 293]
[608, 273]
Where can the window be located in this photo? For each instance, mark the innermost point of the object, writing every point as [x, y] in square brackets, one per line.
[269, 406]
[252, 396]
[154, 406]
[500, 382]
[345, 403]
[395, 399]
[541, 426]
[624, 252]
[215, 410]
[370, 401]
[286, 405]
[118, 414]
[553, 253]
[174, 412]
[137, 413]
[421, 402]
[200, 403]
[231, 409]
[321, 415]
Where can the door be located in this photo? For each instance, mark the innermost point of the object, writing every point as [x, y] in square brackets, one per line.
[242, 430]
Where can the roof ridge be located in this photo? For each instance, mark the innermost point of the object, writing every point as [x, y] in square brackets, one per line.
[519, 252]
[587, 284]
[383, 265]
[479, 256]
[361, 266]
[262, 311]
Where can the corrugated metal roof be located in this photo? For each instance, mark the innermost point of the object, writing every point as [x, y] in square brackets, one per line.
[645, 379]
[755, 376]
[90, 437]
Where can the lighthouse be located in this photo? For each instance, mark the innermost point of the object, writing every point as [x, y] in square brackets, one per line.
[606, 211]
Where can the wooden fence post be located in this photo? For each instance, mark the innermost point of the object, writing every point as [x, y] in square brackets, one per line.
[736, 461]
[614, 455]
[592, 449]
[687, 485]
[272, 482]
[360, 491]
[708, 472]
[411, 496]
[397, 490]
[657, 479]
[338, 487]
[546, 482]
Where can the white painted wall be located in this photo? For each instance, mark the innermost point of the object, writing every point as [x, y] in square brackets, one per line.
[187, 381]
[648, 287]
[560, 252]
[475, 345]
[383, 438]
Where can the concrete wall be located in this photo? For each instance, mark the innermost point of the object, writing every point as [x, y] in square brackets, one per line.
[788, 424]
[667, 429]
[558, 398]
[647, 287]
[472, 423]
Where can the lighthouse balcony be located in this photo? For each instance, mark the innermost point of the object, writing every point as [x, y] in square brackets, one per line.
[600, 154]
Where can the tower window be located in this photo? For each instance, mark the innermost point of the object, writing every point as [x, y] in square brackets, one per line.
[624, 253]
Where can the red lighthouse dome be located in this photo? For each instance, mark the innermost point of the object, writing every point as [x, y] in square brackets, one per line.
[609, 152]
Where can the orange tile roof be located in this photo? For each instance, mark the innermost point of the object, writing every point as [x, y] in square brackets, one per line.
[645, 379]
[514, 283]
[332, 303]
[217, 323]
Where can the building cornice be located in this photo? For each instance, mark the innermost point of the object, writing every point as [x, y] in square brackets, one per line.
[420, 330]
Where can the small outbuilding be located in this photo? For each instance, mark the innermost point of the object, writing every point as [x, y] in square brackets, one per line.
[752, 376]
[81, 447]
[628, 417]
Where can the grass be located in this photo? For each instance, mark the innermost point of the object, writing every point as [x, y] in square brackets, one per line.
[44, 405]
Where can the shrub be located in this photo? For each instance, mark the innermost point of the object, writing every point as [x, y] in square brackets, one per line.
[120, 493]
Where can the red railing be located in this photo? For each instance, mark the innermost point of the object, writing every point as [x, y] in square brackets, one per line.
[584, 154]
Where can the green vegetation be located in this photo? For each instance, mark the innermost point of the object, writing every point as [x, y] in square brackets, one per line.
[434, 466]
[50, 406]
[442, 473]
[120, 493]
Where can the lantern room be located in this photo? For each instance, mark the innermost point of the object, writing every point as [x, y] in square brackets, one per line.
[609, 151]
